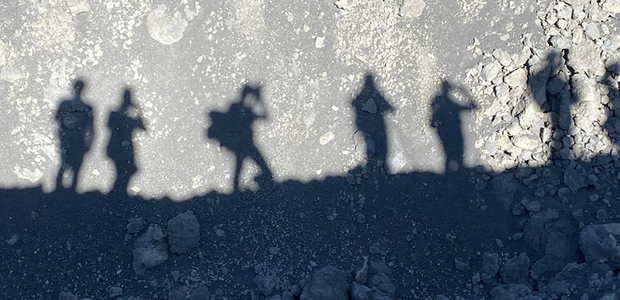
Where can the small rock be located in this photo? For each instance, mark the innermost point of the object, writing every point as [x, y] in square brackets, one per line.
[592, 31]
[490, 71]
[585, 57]
[79, 6]
[533, 206]
[150, 250]
[599, 243]
[461, 266]
[135, 225]
[326, 138]
[361, 275]
[490, 264]
[11, 74]
[383, 283]
[499, 243]
[601, 215]
[359, 292]
[540, 192]
[13, 240]
[412, 9]
[67, 296]
[319, 42]
[326, 283]
[115, 291]
[517, 79]
[612, 6]
[361, 219]
[509, 292]
[163, 28]
[516, 269]
[183, 232]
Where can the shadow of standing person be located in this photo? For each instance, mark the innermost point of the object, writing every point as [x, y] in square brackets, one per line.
[75, 131]
[611, 80]
[122, 124]
[447, 122]
[233, 130]
[548, 87]
[370, 109]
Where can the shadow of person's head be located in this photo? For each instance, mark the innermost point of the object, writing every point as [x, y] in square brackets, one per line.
[78, 87]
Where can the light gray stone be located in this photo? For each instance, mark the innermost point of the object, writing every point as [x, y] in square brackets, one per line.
[586, 57]
[612, 6]
[490, 71]
[11, 74]
[163, 28]
[412, 9]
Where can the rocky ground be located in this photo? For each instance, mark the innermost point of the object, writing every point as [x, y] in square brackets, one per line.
[492, 172]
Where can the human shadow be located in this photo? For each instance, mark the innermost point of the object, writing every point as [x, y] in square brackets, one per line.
[447, 122]
[612, 124]
[122, 123]
[233, 130]
[370, 137]
[547, 86]
[75, 132]
[422, 218]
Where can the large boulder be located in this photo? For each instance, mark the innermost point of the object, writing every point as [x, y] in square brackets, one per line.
[150, 250]
[183, 232]
[327, 283]
[600, 243]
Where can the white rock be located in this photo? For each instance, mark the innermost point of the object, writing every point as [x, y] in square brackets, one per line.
[11, 74]
[612, 6]
[412, 8]
[343, 4]
[79, 6]
[517, 79]
[586, 58]
[490, 71]
[164, 29]
[326, 138]
[396, 162]
[4, 53]
[319, 42]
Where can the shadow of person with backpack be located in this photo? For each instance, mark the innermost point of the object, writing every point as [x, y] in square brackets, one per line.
[233, 130]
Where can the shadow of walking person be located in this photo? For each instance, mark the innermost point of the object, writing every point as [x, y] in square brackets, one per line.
[447, 122]
[371, 135]
[75, 131]
[122, 124]
[233, 130]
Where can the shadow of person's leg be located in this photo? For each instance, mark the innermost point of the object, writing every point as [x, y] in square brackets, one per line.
[266, 175]
[77, 167]
[238, 164]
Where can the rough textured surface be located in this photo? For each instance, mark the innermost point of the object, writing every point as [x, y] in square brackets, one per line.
[599, 243]
[327, 283]
[150, 250]
[183, 232]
